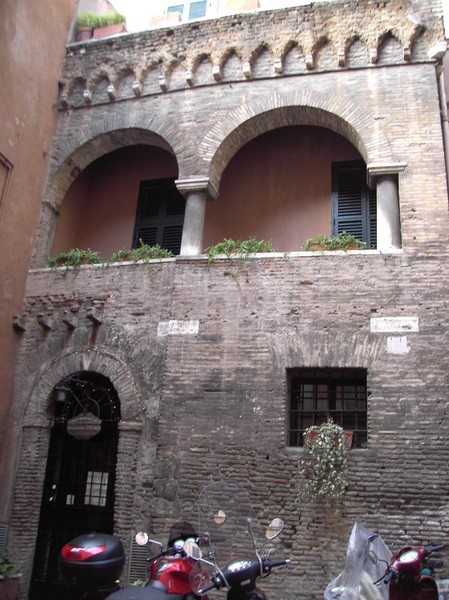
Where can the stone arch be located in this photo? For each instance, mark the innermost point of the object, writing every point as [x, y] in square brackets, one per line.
[38, 411]
[357, 53]
[231, 65]
[297, 108]
[202, 69]
[390, 50]
[77, 152]
[262, 61]
[293, 58]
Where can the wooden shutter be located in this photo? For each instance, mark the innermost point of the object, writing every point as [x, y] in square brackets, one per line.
[160, 215]
[353, 204]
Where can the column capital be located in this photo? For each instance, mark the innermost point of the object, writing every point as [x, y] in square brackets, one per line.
[199, 184]
[376, 170]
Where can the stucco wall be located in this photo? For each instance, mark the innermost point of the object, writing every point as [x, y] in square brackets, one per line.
[32, 41]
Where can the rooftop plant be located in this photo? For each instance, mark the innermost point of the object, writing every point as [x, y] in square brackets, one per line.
[92, 20]
[342, 241]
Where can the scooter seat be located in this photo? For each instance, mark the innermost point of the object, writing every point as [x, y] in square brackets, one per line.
[141, 593]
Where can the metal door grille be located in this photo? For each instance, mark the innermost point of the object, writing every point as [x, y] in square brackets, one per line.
[79, 483]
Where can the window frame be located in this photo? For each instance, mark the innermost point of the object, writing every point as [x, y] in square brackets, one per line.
[186, 9]
[312, 406]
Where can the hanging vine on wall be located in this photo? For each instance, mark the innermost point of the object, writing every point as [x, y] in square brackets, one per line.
[324, 463]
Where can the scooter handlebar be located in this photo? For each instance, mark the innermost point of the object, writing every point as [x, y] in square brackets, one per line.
[279, 563]
[217, 581]
[389, 576]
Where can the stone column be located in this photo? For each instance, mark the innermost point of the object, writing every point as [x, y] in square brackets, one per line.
[196, 192]
[385, 178]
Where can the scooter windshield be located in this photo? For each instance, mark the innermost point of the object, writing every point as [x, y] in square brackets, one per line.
[229, 527]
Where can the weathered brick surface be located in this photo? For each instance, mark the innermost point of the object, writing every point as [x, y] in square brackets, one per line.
[211, 405]
[214, 404]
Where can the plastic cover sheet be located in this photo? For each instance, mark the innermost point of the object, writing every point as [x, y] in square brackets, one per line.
[355, 582]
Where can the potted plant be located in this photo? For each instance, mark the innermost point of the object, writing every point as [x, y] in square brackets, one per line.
[9, 577]
[122, 255]
[74, 258]
[324, 461]
[147, 252]
[238, 248]
[342, 241]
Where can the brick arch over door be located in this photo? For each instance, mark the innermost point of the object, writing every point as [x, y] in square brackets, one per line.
[132, 407]
[75, 155]
[266, 113]
[35, 438]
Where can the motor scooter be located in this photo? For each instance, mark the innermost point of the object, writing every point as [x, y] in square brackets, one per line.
[92, 565]
[231, 554]
[372, 571]
[410, 574]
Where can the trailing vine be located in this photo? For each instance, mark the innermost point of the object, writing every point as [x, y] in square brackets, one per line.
[324, 462]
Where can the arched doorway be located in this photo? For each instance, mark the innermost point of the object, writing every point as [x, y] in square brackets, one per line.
[78, 494]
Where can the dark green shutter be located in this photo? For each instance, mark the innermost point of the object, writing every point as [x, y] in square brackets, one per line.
[353, 203]
[160, 215]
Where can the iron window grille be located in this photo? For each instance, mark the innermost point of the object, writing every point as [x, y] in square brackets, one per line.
[315, 394]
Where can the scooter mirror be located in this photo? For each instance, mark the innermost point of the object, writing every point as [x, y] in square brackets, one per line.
[192, 549]
[274, 528]
[141, 538]
[373, 557]
[220, 517]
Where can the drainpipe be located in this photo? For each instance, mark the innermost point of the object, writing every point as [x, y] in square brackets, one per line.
[438, 52]
[444, 117]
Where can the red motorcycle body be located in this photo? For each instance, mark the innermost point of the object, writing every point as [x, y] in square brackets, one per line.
[409, 582]
[173, 572]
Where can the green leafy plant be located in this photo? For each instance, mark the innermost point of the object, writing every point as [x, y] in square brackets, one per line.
[8, 568]
[92, 20]
[74, 258]
[146, 252]
[121, 255]
[324, 462]
[342, 241]
[238, 248]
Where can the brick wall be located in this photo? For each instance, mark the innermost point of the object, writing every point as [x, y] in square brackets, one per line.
[205, 397]
[211, 404]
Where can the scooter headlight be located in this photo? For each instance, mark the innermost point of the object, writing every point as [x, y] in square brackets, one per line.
[408, 557]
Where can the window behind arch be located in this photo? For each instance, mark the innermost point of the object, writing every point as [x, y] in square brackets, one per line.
[353, 203]
[160, 215]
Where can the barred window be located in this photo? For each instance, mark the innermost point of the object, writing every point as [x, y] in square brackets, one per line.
[317, 394]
